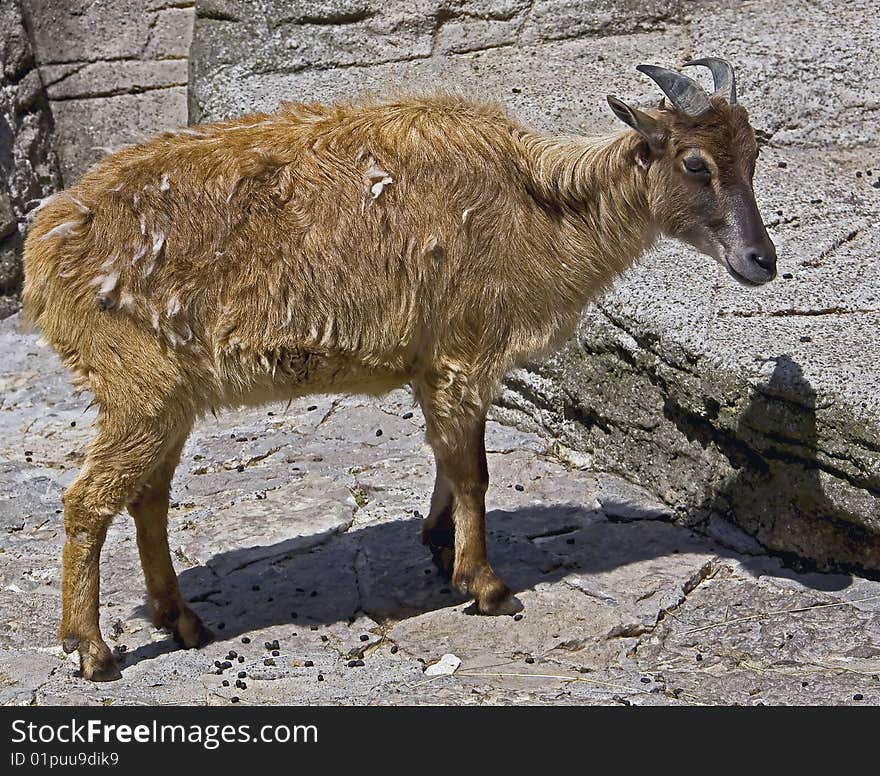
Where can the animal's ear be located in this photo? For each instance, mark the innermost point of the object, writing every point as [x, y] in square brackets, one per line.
[647, 126]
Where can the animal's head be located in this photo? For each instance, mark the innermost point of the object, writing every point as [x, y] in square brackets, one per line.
[699, 154]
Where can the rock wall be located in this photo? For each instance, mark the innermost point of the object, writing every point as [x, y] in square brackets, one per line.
[115, 71]
[28, 165]
[755, 406]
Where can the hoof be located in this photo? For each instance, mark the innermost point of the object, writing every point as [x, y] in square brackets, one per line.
[509, 605]
[189, 631]
[105, 673]
[96, 663]
[195, 639]
[491, 595]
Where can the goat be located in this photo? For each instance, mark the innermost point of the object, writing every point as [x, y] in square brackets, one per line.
[354, 247]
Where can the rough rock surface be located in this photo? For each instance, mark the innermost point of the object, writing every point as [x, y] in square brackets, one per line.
[28, 166]
[302, 525]
[758, 405]
[115, 70]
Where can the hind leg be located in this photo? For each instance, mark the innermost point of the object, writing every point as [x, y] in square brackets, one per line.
[150, 512]
[121, 458]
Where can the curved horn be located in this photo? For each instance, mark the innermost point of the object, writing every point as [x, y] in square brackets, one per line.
[683, 92]
[722, 74]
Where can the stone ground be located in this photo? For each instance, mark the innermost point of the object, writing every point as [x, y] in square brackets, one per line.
[301, 525]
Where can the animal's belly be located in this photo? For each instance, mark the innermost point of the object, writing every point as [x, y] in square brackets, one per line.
[289, 373]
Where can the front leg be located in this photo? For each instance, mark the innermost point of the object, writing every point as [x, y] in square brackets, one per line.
[438, 532]
[462, 479]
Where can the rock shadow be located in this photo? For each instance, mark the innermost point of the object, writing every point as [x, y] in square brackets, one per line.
[776, 494]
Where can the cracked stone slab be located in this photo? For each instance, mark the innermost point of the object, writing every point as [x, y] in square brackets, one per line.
[745, 643]
[289, 519]
[566, 92]
[551, 20]
[102, 79]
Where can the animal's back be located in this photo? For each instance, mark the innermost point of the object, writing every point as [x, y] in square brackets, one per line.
[317, 247]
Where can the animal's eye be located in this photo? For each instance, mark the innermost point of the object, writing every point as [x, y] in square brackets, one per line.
[695, 164]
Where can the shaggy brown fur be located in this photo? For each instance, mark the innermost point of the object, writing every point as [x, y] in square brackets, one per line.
[355, 247]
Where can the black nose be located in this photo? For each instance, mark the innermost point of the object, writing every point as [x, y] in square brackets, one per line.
[763, 257]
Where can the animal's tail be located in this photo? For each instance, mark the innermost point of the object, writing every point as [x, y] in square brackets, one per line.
[57, 221]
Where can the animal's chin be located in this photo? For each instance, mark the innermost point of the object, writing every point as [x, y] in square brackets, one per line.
[739, 278]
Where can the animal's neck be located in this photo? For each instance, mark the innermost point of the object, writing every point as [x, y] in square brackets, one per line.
[598, 192]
